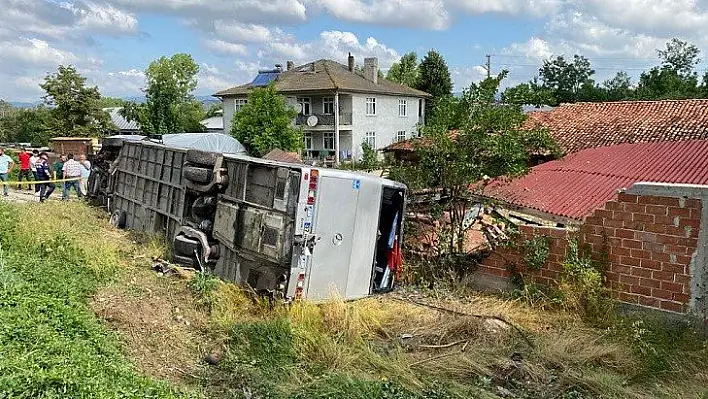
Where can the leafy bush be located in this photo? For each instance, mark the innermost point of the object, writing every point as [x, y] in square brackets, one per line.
[536, 252]
[582, 286]
[370, 158]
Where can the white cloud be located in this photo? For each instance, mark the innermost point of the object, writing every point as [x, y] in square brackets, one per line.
[133, 73]
[212, 79]
[463, 77]
[106, 19]
[536, 8]
[33, 52]
[253, 11]
[430, 14]
[246, 33]
[535, 48]
[125, 83]
[335, 45]
[226, 48]
[652, 17]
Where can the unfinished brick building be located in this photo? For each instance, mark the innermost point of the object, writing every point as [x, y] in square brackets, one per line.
[638, 205]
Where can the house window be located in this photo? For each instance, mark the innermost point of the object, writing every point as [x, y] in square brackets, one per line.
[370, 105]
[400, 135]
[402, 108]
[328, 105]
[239, 103]
[370, 139]
[307, 138]
[328, 141]
[305, 103]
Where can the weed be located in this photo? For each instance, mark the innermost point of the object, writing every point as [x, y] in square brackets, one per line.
[536, 252]
[203, 286]
[582, 288]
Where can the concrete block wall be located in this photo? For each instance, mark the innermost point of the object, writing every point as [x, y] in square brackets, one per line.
[648, 242]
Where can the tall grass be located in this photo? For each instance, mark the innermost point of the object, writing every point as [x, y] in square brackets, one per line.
[54, 256]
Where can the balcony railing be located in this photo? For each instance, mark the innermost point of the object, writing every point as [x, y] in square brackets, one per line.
[325, 119]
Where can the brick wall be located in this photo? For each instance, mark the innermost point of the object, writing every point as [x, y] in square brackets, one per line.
[648, 242]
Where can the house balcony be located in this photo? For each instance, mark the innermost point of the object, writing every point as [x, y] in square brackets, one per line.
[325, 121]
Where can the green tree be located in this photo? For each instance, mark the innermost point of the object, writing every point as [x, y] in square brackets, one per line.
[491, 142]
[169, 104]
[405, 71]
[675, 78]
[27, 126]
[619, 87]
[265, 123]
[679, 56]
[75, 109]
[434, 80]
[566, 79]
[530, 93]
[111, 102]
[5, 108]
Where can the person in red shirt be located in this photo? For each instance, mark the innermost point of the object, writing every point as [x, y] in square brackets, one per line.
[25, 170]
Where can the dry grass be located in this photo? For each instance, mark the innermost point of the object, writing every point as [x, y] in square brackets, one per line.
[369, 339]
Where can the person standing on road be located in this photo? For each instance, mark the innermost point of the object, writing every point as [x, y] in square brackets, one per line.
[25, 170]
[72, 170]
[44, 173]
[33, 167]
[6, 166]
[85, 172]
[59, 167]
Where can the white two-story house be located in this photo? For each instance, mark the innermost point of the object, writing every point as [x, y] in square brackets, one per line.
[339, 107]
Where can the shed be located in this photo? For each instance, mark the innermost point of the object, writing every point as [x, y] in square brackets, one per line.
[74, 145]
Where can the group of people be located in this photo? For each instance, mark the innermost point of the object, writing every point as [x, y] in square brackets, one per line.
[68, 171]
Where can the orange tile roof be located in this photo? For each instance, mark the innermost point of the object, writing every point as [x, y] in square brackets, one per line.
[573, 187]
[588, 125]
[279, 155]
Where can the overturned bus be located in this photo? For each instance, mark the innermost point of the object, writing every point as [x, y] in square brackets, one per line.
[286, 230]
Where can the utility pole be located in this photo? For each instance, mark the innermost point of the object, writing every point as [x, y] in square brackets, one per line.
[489, 66]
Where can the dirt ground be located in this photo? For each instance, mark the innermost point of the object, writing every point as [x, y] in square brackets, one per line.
[155, 316]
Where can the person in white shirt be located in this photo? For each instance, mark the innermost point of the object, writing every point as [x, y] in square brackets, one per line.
[34, 159]
[85, 172]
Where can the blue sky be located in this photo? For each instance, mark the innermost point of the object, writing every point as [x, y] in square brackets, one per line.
[112, 42]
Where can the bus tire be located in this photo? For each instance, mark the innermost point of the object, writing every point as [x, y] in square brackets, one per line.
[185, 246]
[189, 261]
[198, 175]
[199, 157]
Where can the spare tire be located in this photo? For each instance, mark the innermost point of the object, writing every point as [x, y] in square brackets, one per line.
[199, 157]
[204, 208]
[118, 218]
[198, 175]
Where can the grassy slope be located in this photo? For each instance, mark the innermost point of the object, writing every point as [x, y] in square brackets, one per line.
[55, 257]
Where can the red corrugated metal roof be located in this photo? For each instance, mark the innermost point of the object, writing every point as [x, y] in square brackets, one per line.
[580, 126]
[578, 184]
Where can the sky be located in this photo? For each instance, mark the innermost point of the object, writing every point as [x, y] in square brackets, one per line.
[112, 42]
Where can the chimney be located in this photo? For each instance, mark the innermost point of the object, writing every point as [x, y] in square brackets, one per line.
[290, 65]
[350, 62]
[371, 69]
